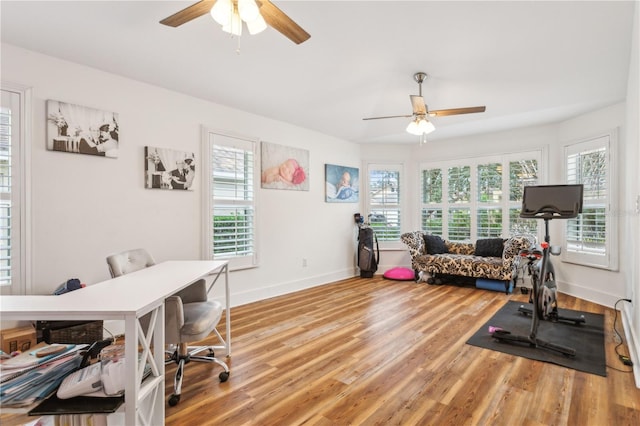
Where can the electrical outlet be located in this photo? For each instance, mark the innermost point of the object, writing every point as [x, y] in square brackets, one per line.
[304, 262]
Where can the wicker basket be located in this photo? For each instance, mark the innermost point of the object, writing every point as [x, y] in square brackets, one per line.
[68, 332]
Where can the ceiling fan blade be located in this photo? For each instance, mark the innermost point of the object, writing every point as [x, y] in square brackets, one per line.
[388, 116]
[419, 107]
[278, 20]
[189, 13]
[456, 111]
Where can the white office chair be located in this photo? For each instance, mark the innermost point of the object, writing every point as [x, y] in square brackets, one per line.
[189, 317]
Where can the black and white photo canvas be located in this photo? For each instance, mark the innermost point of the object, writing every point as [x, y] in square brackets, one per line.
[82, 130]
[341, 184]
[168, 168]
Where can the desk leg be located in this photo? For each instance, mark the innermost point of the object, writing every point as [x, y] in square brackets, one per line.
[145, 401]
[227, 309]
[131, 357]
[226, 342]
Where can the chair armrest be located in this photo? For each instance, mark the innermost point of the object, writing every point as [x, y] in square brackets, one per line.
[196, 292]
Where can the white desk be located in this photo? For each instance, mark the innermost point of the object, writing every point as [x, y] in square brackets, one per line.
[128, 298]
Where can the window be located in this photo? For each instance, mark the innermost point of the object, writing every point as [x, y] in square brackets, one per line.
[384, 201]
[431, 213]
[522, 172]
[590, 238]
[14, 218]
[475, 205]
[230, 200]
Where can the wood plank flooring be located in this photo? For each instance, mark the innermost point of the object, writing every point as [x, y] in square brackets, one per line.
[379, 352]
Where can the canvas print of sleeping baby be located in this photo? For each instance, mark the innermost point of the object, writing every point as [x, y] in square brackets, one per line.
[341, 184]
[284, 167]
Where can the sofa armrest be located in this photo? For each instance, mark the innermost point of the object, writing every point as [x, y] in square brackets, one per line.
[415, 242]
[513, 246]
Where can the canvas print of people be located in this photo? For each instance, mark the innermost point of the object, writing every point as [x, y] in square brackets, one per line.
[82, 130]
[168, 168]
[341, 184]
[284, 167]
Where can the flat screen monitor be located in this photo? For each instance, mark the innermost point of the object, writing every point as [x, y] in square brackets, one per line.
[551, 201]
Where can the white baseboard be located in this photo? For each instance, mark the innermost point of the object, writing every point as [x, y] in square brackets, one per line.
[588, 294]
[280, 289]
[116, 328]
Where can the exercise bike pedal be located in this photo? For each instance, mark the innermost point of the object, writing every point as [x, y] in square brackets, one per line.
[526, 311]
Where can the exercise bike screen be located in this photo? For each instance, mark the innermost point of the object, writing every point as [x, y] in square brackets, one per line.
[552, 201]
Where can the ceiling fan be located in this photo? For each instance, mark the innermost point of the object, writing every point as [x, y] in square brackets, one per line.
[268, 14]
[420, 125]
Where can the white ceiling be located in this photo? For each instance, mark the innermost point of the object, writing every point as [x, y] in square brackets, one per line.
[528, 62]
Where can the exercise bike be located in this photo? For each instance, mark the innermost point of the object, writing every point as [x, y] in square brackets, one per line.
[547, 203]
[547, 301]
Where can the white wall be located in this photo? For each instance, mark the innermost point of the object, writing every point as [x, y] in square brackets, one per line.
[87, 207]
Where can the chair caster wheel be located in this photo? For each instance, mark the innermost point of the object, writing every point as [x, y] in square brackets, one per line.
[223, 376]
[173, 400]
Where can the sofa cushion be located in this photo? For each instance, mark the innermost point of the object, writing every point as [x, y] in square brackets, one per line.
[434, 244]
[455, 247]
[489, 247]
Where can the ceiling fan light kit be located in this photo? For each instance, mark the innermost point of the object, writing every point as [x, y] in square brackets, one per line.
[231, 14]
[420, 126]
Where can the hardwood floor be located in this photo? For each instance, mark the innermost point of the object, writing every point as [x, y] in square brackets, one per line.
[379, 352]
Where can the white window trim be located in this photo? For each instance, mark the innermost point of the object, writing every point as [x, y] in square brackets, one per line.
[611, 259]
[207, 249]
[393, 166]
[24, 285]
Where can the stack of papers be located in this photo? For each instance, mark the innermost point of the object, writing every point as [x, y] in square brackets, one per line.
[34, 375]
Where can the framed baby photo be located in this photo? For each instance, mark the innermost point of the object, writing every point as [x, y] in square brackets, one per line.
[284, 167]
[168, 168]
[82, 130]
[341, 184]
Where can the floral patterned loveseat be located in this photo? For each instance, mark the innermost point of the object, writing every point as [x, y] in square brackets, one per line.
[462, 259]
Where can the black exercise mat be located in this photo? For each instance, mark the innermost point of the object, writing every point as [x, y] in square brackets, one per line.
[587, 339]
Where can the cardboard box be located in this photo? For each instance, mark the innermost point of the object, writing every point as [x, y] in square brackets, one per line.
[17, 339]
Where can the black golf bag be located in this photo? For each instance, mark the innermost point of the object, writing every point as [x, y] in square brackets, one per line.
[367, 258]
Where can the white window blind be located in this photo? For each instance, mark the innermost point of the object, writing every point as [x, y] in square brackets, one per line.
[6, 210]
[522, 172]
[385, 210]
[13, 171]
[431, 197]
[232, 204]
[489, 199]
[589, 238]
[463, 200]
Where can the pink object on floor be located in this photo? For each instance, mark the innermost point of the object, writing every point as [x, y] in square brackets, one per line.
[400, 274]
